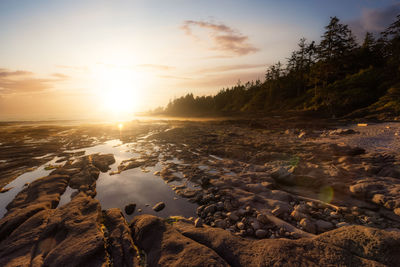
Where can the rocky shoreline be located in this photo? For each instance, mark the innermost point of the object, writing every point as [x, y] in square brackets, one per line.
[269, 192]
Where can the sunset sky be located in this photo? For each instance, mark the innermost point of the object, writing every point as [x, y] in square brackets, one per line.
[108, 59]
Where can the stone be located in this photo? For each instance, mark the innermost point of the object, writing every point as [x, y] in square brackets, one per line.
[261, 233]
[220, 223]
[256, 225]
[130, 208]
[232, 216]
[159, 206]
[397, 211]
[198, 222]
[324, 226]
[263, 218]
[240, 225]
[297, 215]
[283, 175]
[210, 209]
[308, 225]
[379, 199]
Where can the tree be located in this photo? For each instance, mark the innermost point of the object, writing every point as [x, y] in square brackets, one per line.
[337, 41]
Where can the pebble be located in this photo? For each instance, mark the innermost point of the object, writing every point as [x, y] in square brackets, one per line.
[232, 216]
[159, 206]
[262, 218]
[240, 225]
[130, 208]
[198, 222]
[261, 233]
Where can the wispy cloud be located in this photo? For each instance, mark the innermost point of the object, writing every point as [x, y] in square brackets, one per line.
[174, 77]
[224, 37]
[239, 67]
[374, 20]
[7, 73]
[21, 81]
[60, 76]
[156, 66]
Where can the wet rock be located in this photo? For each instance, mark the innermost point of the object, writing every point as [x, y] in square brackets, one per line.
[164, 245]
[263, 219]
[261, 233]
[379, 199]
[210, 209]
[102, 162]
[308, 225]
[130, 208]
[198, 222]
[240, 226]
[232, 216]
[280, 210]
[159, 206]
[220, 223]
[67, 236]
[324, 226]
[397, 211]
[341, 224]
[297, 215]
[283, 175]
[256, 225]
[119, 239]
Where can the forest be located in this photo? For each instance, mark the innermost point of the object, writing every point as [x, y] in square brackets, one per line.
[333, 78]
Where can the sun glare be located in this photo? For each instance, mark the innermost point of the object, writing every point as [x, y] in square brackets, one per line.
[119, 89]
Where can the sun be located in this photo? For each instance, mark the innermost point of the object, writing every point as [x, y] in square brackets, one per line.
[120, 90]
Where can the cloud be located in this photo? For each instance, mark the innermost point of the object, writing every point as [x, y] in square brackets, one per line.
[156, 66]
[22, 81]
[174, 77]
[6, 73]
[60, 76]
[374, 20]
[232, 68]
[224, 37]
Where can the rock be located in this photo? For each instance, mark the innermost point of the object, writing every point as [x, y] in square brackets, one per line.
[397, 211]
[280, 210]
[356, 151]
[232, 216]
[324, 226]
[182, 244]
[198, 222]
[297, 215]
[341, 224]
[120, 243]
[220, 223]
[240, 225]
[283, 175]
[210, 209]
[67, 236]
[308, 225]
[159, 206]
[379, 199]
[102, 162]
[263, 219]
[302, 134]
[256, 225]
[130, 208]
[261, 233]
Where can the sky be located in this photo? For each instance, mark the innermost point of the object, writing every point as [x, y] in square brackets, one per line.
[109, 59]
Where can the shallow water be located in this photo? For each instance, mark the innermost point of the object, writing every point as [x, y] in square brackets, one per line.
[135, 186]
[118, 190]
[18, 184]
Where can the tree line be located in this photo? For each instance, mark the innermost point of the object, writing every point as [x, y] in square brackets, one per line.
[335, 77]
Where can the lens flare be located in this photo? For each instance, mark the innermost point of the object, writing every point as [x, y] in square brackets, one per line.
[326, 194]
